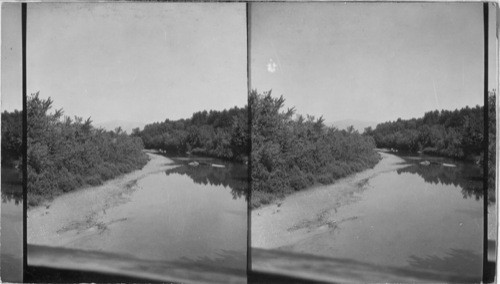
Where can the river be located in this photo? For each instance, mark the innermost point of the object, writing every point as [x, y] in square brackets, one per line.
[401, 221]
[168, 212]
[12, 226]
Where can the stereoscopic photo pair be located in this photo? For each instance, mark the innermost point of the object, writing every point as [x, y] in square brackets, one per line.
[249, 142]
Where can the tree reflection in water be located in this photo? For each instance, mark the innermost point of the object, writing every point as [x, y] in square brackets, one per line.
[12, 187]
[466, 176]
[9, 196]
[234, 176]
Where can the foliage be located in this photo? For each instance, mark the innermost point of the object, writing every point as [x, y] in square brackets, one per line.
[12, 137]
[65, 154]
[290, 154]
[219, 134]
[456, 134]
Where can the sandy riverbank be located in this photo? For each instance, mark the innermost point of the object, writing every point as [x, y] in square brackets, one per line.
[307, 213]
[82, 213]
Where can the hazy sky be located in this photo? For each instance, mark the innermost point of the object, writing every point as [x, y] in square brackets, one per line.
[146, 62]
[369, 61]
[137, 61]
[11, 57]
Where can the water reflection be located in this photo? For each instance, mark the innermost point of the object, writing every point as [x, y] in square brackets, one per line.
[232, 175]
[466, 176]
[15, 197]
[12, 190]
[414, 224]
[170, 217]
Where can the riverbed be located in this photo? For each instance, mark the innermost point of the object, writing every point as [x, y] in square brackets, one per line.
[403, 219]
[168, 212]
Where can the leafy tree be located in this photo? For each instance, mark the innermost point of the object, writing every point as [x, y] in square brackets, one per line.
[12, 137]
[291, 154]
[65, 154]
[457, 134]
[220, 134]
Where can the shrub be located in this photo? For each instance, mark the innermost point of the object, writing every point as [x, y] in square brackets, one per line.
[65, 154]
[292, 154]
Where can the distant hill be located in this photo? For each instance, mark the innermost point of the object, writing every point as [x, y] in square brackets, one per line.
[125, 125]
[358, 125]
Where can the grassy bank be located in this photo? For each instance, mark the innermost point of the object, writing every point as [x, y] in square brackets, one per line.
[292, 153]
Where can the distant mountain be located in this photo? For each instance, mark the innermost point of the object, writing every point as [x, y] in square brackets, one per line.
[125, 125]
[358, 125]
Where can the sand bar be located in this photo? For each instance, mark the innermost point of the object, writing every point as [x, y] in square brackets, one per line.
[81, 213]
[282, 223]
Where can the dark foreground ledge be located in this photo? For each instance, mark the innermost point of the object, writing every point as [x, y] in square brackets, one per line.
[62, 265]
[296, 268]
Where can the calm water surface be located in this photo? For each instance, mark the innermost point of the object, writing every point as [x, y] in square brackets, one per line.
[185, 214]
[414, 218]
[12, 227]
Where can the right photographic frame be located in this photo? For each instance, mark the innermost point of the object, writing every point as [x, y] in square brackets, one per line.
[373, 138]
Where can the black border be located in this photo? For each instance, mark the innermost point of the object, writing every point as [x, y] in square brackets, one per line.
[485, 146]
[24, 12]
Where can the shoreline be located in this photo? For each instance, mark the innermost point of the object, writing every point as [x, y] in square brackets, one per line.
[262, 199]
[306, 213]
[182, 157]
[79, 213]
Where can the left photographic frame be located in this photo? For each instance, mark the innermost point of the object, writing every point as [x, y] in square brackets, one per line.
[12, 137]
[137, 142]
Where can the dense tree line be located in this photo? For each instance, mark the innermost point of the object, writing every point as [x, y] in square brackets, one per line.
[12, 138]
[456, 134]
[291, 153]
[64, 153]
[219, 134]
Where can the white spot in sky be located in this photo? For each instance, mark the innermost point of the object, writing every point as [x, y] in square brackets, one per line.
[271, 66]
